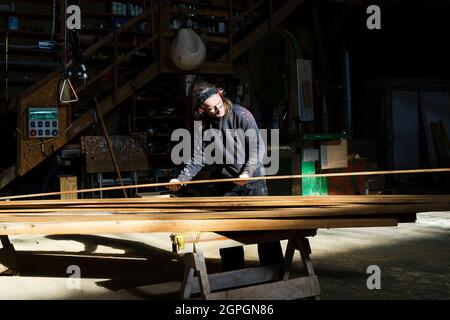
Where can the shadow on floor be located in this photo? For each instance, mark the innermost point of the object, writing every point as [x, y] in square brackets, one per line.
[415, 267]
[140, 264]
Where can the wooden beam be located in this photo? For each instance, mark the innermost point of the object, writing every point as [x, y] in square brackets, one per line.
[79, 125]
[8, 261]
[68, 183]
[89, 214]
[108, 141]
[109, 68]
[259, 32]
[215, 225]
[106, 105]
[239, 278]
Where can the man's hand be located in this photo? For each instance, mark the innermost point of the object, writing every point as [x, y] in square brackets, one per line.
[242, 176]
[174, 187]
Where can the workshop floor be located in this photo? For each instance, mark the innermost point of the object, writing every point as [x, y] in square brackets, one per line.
[414, 260]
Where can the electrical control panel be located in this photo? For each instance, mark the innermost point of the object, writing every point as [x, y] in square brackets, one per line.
[43, 122]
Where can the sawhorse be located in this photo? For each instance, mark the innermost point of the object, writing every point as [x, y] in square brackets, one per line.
[8, 262]
[267, 282]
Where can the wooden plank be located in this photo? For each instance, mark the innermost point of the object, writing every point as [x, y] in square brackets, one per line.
[300, 200]
[235, 239]
[252, 237]
[68, 183]
[305, 251]
[104, 214]
[80, 125]
[288, 257]
[187, 283]
[8, 261]
[5, 241]
[200, 266]
[280, 290]
[239, 278]
[215, 225]
[213, 215]
[224, 205]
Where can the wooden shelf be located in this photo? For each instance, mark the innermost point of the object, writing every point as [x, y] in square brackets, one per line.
[96, 14]
[199, 12]
[103, 31]
[125, 16]
[210, 36]
[108, 30]
[29, 66]
[209, 5]
[26, 34]
[31, 16]
[30, 51]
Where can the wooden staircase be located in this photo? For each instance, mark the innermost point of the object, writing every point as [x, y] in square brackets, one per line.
[31, 152]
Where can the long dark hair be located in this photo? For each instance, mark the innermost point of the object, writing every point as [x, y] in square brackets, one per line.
[200, 88]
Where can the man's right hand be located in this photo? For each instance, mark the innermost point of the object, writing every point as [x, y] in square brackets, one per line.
[174, 187]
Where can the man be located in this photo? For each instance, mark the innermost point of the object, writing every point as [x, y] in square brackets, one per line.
[237, 128]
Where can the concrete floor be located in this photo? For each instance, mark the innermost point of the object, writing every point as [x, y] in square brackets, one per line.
[414, 260]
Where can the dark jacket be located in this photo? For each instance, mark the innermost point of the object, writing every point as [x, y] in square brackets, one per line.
[249, 162]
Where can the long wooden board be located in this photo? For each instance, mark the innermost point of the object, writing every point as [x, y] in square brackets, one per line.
[217, 225]
[104, 215]
[212, 214]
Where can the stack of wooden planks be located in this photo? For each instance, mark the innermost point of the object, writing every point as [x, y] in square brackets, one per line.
[91, 216]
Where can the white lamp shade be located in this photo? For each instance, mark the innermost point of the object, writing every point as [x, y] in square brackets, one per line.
[188, 50]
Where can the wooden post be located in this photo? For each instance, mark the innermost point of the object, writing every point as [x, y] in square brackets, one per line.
[305, 250]
[288, 257]
[8, 262]
[194, 263]
[110, 147]
[68, 183]
[186, 285]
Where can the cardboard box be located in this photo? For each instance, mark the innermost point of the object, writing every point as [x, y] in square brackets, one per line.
[333, 154]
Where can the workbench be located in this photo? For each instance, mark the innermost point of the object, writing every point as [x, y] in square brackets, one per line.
[232, 221]
[256, 283]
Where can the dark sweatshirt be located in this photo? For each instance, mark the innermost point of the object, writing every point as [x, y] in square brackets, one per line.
[249, 161]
